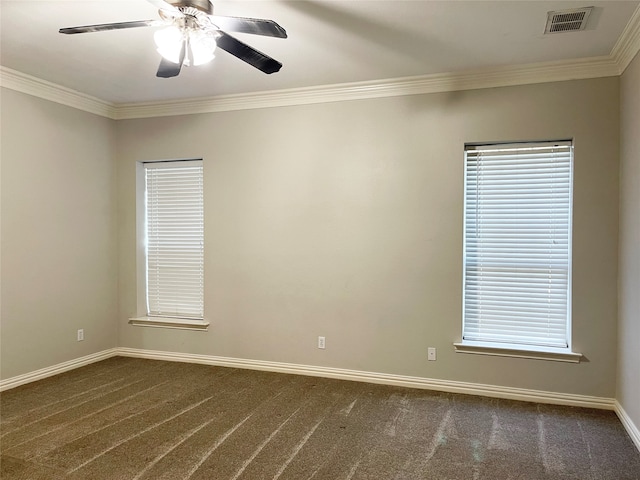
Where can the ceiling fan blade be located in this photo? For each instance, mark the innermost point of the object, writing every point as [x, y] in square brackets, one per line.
[254, 26]
[168, 69]
[248, 54]
[110, 26]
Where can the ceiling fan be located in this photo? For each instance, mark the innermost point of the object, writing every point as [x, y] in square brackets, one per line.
[192, 33]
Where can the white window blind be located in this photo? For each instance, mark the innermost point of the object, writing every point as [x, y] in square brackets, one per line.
[517, 244]
[174, 238]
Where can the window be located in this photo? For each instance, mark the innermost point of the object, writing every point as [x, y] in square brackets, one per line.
[172, 232]
[517, 248]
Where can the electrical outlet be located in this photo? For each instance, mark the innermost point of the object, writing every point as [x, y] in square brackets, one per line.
[431, 354]
[80, 335]
[321, 342]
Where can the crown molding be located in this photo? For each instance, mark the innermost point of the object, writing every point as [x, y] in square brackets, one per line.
[577, 69]
[622, 54]
[594, 67]
[628, 45]
[21, 82]
[625, 49]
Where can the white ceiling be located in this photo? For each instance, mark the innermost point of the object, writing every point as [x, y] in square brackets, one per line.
[330, 42]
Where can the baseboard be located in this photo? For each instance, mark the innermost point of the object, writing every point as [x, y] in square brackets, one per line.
[56, 369]
[495, 391]
[381, 378]
[631, 428]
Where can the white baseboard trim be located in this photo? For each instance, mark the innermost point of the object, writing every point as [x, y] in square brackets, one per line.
[381, 378]
[494, 391]
[56, 369]
[629, 426]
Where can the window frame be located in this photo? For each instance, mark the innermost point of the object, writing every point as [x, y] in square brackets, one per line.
[143, 318]
[500, 348]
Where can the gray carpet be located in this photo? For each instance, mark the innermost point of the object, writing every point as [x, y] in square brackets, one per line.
[127, 418]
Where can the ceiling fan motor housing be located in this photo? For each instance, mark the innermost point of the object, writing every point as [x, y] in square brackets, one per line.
[202, 5]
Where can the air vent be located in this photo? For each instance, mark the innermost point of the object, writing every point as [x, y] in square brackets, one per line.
[567, 20]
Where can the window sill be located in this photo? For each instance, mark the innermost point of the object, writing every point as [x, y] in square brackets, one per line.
[168, 322]
[482, 348]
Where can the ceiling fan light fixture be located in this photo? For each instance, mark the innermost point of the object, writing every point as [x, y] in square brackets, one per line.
[169, 42]
[200, 45]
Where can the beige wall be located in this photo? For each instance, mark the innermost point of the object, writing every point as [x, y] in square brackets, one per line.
[345, 220]
[59, 269]
[629, 280]
[341, 220]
